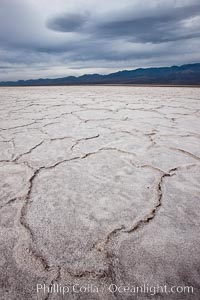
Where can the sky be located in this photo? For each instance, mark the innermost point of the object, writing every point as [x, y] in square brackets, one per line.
[57, 38]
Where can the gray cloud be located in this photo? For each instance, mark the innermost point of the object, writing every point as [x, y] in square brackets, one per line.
[68, 22]
[167, 26]
[58, 38]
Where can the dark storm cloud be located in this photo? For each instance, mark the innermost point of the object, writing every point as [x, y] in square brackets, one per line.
[156, 29]
[68, 22]
[58, 36]
[164, 26]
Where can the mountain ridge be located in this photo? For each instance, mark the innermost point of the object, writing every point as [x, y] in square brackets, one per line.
[188, 74]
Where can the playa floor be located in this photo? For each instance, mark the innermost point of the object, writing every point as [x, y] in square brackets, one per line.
[99, 192]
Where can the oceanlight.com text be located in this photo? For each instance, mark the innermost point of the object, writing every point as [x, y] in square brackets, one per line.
[113, 289]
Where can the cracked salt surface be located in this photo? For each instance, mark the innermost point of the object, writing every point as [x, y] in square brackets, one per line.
[99, 185]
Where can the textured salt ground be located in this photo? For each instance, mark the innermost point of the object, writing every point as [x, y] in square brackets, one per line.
[99, 185]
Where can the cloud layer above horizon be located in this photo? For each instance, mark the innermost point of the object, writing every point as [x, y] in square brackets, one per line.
[42, 38]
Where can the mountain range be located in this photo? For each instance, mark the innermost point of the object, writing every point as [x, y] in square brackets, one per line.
[176, 75]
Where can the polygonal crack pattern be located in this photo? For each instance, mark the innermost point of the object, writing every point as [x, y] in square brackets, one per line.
[99, 185]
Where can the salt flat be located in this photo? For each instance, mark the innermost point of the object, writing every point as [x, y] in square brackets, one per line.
[99, 186]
